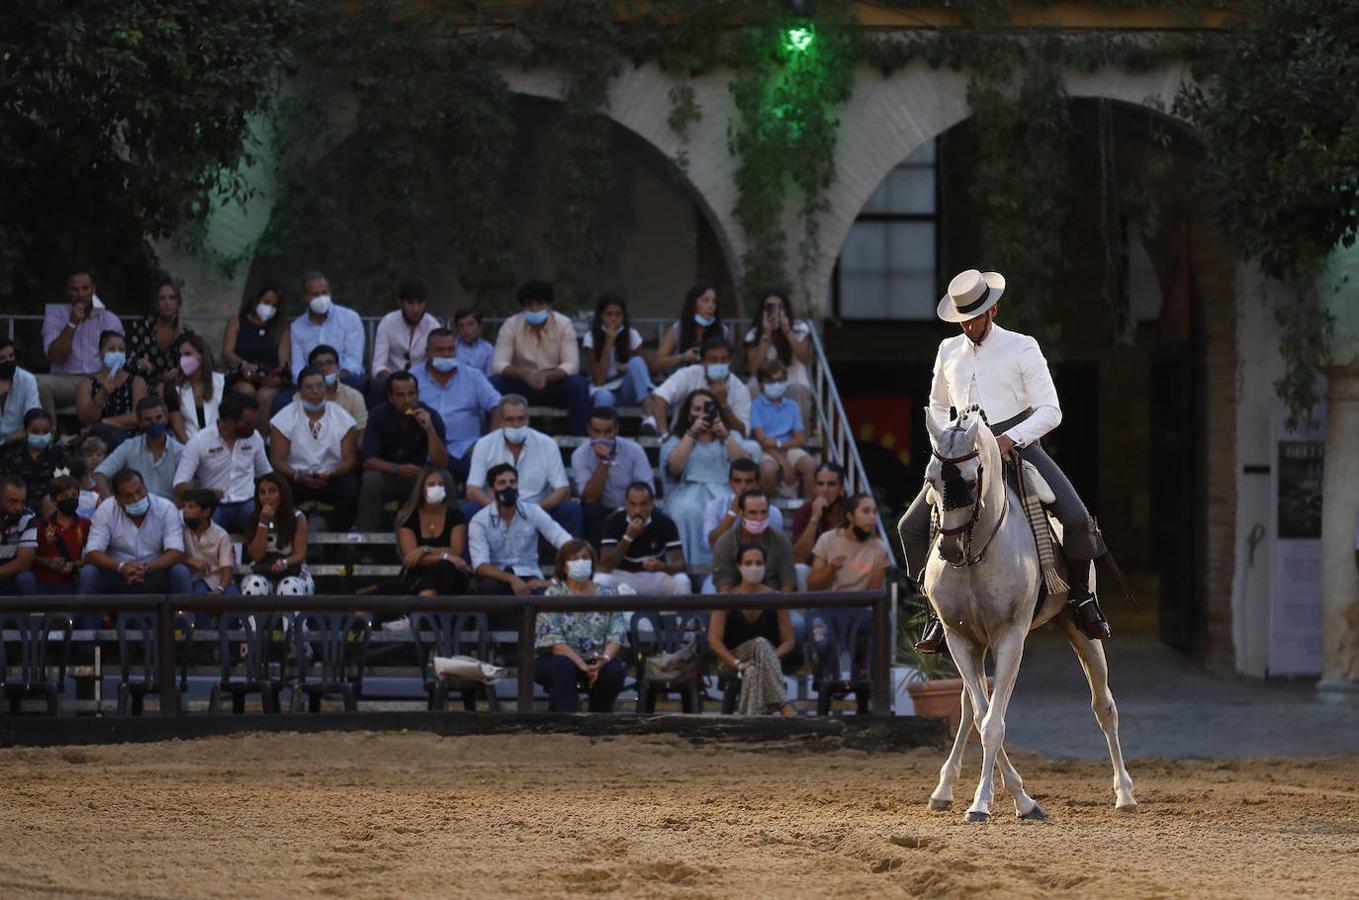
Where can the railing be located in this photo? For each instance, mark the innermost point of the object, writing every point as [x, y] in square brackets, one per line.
[167, 607]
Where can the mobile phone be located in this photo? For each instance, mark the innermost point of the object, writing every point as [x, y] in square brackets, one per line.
[771, 309]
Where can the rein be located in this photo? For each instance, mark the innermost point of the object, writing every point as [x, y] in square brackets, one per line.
[966, 529]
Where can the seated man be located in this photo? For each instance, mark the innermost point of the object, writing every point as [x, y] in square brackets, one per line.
[208, 553]
[226, 459]
[403, 436]
[714, 374]
[18, 393]
[603, 468]
[326, 361]
[502, 539]
[536, 355]
[326, 322]
[460, 394]
[399, 343]
[315, 445]
[776, 424]
[754, 529]
[18, 539]
[724, 511]
[154, 453]
[136, 543]
[641, 547]
[70, 337]
[473, 349]
[537, 461]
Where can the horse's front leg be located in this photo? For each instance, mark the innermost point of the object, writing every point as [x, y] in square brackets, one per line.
[970, 660]
[1009, 651]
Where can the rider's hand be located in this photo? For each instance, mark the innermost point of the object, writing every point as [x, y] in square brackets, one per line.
[1006, 445]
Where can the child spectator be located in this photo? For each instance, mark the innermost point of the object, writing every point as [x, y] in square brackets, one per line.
[61, 540]
[207, 547]
[473, 349]
[776, 423]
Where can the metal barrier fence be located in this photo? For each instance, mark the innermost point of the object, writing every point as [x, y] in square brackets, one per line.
[527, 609]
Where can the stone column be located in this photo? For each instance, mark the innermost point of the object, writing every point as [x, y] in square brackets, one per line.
[1339, 575]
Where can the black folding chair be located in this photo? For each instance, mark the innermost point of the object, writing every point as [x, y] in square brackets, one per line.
[668, 635]
[453, 634]
[839, 656]
[136, 681]
[333, 644]
[37, 651]
[247, 662]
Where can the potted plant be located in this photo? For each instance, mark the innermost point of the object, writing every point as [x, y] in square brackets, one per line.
[934, 685]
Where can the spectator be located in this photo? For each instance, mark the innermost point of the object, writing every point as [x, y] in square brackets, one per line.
[613, 353]
[91, 450]
[750, 642]
[776, 424]
[503, 538]
[151, 340]
[603, 468]
[275, 543]
[460, 394]
[541, 477]
[90, 493]
[724, 511]
[825, 512]
[578, 652]
[326, 361]
[36, 458]
[403, 436]
[153, 454]
[714, 376]
[227, 459]
[193, 402]
[61, 540]
[473, 349]
[641, 547]
[778, 550]
[136, 544]
[431, 538]
[18, 539]
[105, 401]
[208, 554]
[699, 322]
[257, 347]
[775, 335]
[18, 393]
[402, 335]
[315, 445]
[536, 356]
[71, 338]
[695, 460]
[853, 557]
[327, 322]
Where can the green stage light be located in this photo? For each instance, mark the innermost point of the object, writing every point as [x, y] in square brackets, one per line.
[799, 39]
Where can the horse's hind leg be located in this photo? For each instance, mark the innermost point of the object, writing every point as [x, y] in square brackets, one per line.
[1091, 655]
[942, 798]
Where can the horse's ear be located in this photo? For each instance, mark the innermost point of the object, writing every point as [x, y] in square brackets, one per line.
[933, 427]
[972, 431]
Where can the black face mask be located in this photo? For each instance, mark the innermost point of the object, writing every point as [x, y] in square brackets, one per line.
[68, 506]
[192, 522]
[7, 370]
[861, 533]
[507, 497]
[8, 517]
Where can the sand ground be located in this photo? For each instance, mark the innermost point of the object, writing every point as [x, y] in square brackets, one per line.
[539, 815]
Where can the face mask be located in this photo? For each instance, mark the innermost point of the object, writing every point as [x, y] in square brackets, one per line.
[775, 390]
[8, 517]
[862, 534]
[536, 318]
[313, 407]
[435, 493]
[39, 441]
[444, 363]
[752, 574]
[507, 497]
[705, 321]
[579, 569]
[331, 378]
[516, 435]
[68, 506]
[156, 430]
[604, 442]
[139, 508]
[188, 364]
[755, 526]
[320, 305]
[718, 371]
[114, 361]
[265, 311]
[192, 522]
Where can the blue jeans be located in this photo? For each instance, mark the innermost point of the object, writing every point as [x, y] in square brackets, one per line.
[174, 580]
[635, 388]
[234, 516]
[21, 583]
[564, 683]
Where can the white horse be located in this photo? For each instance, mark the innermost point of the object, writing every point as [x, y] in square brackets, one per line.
[983, 583]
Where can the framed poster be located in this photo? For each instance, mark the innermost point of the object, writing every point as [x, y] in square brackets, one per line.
[1295, 563]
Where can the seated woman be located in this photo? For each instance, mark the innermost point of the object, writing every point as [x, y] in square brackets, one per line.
[579, 651]
[852, 557]
[750, 642]
[151, 340]
[695, 459]
[192, 400]
[61, 540]
[105, 402]
[275, 543]
[774, 334]
[431, 539]
[613, 357]
[257, 348]
[698, 321]
[35, 458]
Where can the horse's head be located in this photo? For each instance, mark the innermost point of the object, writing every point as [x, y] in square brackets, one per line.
[954, 476]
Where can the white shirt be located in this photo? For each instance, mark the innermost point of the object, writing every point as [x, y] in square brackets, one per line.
[612, 377]
[318, 451]
[234, 469]
[1010, 376]
[539, 465]
[189, 409]
[114, 532]
[395, 347]
[797, 371]
[690, 378]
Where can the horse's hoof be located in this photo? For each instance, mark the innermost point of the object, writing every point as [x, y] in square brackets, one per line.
[978, 817]
[1035, 815]
[940, 805]
[1126, 808]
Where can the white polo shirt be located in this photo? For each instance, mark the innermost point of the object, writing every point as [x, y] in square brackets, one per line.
[232, 469]
[690, 378]
[114, 532]
[540, 466]
[314, 446]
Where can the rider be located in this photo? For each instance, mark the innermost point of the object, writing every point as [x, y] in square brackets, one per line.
[1006, 374]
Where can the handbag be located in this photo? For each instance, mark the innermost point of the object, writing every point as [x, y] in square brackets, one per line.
[467, 668]
[672, 667]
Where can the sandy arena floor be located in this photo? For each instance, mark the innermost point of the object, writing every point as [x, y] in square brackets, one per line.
[419, 815]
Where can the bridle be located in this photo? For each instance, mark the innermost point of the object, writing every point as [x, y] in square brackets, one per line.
[966, 528]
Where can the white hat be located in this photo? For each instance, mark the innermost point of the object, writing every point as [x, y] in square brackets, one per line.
[971, 294]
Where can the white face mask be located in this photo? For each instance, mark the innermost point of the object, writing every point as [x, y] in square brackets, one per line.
[435, 493]
[579, 569]
[320, 304]
[265, 311]
[753, 574]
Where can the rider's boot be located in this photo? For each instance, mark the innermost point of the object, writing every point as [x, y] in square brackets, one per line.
[933, 635]
[1084, 605]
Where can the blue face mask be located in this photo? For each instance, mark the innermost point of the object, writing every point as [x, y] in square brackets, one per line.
[516, 435]
[705, 321]
[718, 371]
[313, 407]
[39, 441]
[444, 363]
[536, 318]
[775, 390]
[139, 508]
[156, 429]
[114, 361]
[331, 378]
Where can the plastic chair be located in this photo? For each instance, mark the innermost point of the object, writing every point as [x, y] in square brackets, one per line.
[449, 634]
[337, 643]
[133, 686]
[246, 671]
[35, 645]
[668, 635]
[840, 660]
